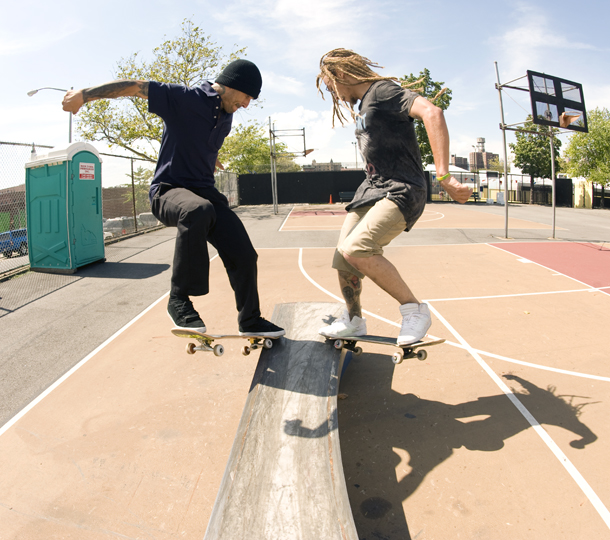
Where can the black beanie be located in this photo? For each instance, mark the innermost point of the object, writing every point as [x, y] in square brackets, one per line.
[242, 75]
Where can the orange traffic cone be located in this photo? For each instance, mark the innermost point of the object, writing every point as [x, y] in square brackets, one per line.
[331, 200]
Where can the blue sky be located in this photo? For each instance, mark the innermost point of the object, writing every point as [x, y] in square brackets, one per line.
[64, 44]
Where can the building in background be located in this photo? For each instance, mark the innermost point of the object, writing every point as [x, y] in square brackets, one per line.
[316, 167]
[12, 208]
[479, 159]
[460, 162]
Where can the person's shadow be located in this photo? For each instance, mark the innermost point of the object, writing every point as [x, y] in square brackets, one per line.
[418, 434]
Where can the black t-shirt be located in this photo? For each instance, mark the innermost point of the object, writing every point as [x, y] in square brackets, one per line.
[387, 141]
[193, 132]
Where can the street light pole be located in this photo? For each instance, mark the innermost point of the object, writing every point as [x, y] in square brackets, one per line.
[356, 149]
[32, 92]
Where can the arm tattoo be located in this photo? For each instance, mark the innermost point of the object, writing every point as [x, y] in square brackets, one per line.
[116, 89]
[143, 91]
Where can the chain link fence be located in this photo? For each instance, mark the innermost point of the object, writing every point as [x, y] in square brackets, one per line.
[125, 204]
[489, 185]
[13, 219]
[226, 183]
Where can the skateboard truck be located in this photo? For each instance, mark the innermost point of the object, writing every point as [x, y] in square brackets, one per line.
[413, 350]
[206, 342]
[218, 349]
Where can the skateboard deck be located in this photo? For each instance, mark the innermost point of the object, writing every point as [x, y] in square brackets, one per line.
[404, 351]
[206, 341]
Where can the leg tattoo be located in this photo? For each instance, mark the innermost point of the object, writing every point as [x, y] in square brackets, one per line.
[351, 287]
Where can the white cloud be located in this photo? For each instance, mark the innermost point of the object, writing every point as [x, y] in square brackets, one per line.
[533, 40]
[38, 122]
[328, 143]
[596, 95]
[34, 39]
[281, 84]
[286, 27]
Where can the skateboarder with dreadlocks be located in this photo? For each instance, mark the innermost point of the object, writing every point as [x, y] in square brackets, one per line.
[393, 195]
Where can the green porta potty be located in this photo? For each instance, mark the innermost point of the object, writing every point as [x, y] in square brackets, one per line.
[64, 209]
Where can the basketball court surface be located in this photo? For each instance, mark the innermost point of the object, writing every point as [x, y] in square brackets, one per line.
[305, 218]
[503, 432]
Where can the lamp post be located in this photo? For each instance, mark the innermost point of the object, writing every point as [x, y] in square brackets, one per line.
[474, 168]
[356, 149]
[32, 92]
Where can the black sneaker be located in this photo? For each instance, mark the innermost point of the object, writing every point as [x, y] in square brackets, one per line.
[182, 312]
[261, 327]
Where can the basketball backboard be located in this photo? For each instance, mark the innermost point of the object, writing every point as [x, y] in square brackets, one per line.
[557, 102]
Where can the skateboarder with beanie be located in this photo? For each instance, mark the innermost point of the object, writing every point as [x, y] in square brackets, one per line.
[393, 195]
[182, 192]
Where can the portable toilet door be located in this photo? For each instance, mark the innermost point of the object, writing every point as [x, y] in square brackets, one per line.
[64, 209]
[87, 223]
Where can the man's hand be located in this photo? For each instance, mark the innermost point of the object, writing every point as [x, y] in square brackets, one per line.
[219, 165]
[73, 101]
[457, 191]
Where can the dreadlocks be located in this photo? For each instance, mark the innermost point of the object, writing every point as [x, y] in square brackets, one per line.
[347, 62]
[352, 64]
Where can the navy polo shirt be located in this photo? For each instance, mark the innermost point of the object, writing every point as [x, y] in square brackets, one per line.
[193, 132]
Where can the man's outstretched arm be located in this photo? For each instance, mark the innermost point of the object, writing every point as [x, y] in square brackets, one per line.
[75, 99]
[438, 134]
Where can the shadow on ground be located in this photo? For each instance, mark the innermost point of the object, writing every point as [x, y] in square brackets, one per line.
[377, 435]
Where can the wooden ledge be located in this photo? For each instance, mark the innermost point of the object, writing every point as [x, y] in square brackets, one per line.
[284, 478]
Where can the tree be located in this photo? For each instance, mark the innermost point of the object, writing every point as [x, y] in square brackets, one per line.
[189, 59]
[141, 186]
[497, 164]
[247, 151]
[588, 154]
[533, 151]
[435, 92]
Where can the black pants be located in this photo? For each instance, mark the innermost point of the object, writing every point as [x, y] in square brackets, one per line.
[202, 216]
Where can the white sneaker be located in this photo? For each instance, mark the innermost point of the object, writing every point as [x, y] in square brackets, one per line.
[344, 327]
[416, 321]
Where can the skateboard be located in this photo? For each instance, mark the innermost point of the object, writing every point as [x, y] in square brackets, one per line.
[405, 351]
[206, 342]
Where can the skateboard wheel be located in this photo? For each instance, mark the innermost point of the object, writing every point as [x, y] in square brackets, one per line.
[190, 348]
[397, 358]
[338, 344]
[358, 351]
[422, 355]
[268, 343]
[219, 350]
[245, 350]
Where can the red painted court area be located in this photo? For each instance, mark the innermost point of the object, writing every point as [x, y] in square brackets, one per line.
[588, 263]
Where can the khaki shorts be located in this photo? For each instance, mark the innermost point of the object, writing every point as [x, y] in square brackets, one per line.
[366, 231]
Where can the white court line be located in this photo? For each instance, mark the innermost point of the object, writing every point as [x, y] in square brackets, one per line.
[542, 266]
[423, 220]
[37, 400]
[453, 344]
[312, 228]
[284, 222]
[539, 366]
[334, 295]
[65, 376]
[517, 295]
[563, 459]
